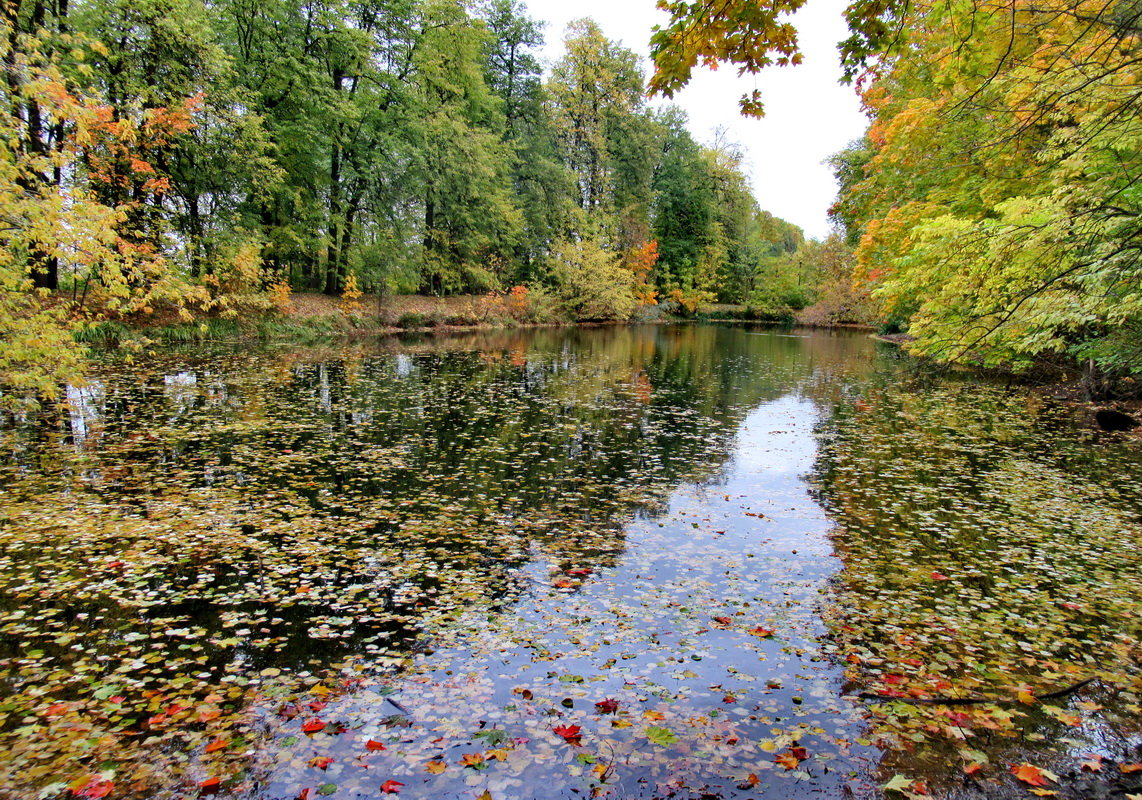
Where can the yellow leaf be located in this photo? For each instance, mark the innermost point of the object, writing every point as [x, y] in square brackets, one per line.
[435, 767]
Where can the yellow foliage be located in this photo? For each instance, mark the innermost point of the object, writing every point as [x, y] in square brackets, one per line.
[350, 304]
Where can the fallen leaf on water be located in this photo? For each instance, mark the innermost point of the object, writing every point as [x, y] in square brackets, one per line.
[1128, 769]
[435, 767]
[391, 787]
[1032, 775]
[373, 745]
[321, 762]
[216, 745]
[313, 726]
[898, 783]
[661, 736]
[787, 760]
[608, 706]
[94, 788]
[569, 733]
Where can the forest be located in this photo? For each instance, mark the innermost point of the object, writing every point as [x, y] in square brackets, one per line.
[188, 159]
[210, 158]
[994, 200]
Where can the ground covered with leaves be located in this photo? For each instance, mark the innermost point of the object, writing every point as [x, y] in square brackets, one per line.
[660, 562]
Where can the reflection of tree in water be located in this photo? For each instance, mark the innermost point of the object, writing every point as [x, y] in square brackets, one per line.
[988, 544]
[249, 510]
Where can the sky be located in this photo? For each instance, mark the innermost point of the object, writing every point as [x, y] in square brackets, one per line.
[808, 114]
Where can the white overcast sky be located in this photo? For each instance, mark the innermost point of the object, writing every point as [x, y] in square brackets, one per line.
[808, 114]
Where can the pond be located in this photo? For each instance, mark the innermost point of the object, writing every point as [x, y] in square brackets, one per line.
[642, 562]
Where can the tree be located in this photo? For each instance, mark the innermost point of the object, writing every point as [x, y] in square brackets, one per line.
[470, 219]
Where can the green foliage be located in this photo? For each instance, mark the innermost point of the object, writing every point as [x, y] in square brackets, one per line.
[591, 282]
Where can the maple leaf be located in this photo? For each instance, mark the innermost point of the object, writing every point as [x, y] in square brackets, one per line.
[321, 762]
[608, 706]
[579, 572]
[751, 781]
[373, 745]
[216, 745]
[661, 736]
[972, 769]
[1128, 769]
[435, 767]
[95, 788]
[764, 633]
[391, 787]
[939, 576]
[722, 622]
[1092, 764]
[1031, 775]
[569, 733]
[313, 726]
[787, 760]
[210, 786]
[474, 760]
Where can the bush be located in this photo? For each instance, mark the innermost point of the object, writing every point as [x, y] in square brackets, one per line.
[591, 282]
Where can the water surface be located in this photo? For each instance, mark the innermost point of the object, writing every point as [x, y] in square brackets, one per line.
[630, 562]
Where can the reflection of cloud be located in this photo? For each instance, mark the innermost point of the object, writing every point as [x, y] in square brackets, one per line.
[85, 410]
[777, 437]
[181, 390]
[404, 365]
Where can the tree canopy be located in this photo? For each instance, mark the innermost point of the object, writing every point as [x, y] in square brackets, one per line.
[994, 201]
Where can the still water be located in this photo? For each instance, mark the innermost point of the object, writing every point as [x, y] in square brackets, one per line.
[623, 562]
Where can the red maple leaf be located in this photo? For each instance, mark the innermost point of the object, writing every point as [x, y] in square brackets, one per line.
[569, 733]
[373, 745]
[321, 762]
[608, 706]
[313, 725]
[391, 787]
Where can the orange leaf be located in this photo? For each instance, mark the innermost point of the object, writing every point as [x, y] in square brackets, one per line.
[1128, 769]
[1029, 774]
[435, 767]
[313, 726]
[373, 745]
[321, 762]
[216, 745]
[787, 760]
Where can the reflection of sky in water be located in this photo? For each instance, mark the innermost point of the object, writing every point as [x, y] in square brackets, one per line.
[776, 438]
[85, 411]
[666, 633]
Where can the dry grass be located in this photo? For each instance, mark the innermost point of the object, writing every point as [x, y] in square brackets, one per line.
[389, 310]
